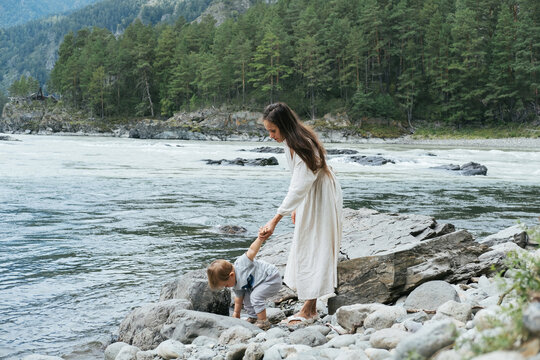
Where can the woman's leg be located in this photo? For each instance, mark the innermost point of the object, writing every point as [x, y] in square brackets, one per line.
[309, 309]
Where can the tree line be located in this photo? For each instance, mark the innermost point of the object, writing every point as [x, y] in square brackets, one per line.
[461, 62]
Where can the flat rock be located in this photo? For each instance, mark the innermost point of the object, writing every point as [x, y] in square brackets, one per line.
[341, 152]
[367, 232]
[271, 161]
[370, 160]
[386, 277]
[515, 234]
[187, 325]
[468, 169]
[266, 149]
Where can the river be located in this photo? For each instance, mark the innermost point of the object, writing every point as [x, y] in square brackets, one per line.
[91, 227]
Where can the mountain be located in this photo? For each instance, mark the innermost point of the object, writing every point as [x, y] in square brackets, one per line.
[16, 12]
[31, 49]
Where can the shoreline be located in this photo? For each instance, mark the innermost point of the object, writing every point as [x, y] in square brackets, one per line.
[521, 143]
[511, 143]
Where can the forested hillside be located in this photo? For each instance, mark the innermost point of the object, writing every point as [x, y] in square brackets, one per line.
[456, 61]
[31, 49]
[15, 12]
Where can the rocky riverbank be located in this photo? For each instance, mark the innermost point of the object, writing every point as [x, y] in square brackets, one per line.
[38, 117]
[409, 288]
[44, 118]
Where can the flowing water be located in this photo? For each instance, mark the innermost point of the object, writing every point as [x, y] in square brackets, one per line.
[91, 227]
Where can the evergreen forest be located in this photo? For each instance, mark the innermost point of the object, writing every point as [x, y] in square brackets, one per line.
[458, 62]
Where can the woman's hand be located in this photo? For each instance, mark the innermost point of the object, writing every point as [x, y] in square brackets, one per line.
[270, 226]
[267, 230]
[293, 217]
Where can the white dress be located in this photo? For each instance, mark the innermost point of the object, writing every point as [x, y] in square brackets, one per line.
[312, 263]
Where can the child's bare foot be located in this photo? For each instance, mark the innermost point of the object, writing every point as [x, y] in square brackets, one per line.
[263, 324]
[251, 320]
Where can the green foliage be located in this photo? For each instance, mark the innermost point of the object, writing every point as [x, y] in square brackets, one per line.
[459, 63]
[522, 282]
[524, 271]
[25, 86]
[3, 101]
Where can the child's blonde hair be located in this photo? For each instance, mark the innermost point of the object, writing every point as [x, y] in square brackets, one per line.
[218, 272]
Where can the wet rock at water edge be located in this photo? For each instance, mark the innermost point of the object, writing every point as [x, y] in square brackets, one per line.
[341, 152]
[271, 161]
[468, 169]
[266, 149]
[8, 138]
[371, 160]
[193, 286]
[232, 229]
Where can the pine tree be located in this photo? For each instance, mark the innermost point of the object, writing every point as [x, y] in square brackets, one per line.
[268, 70]
[310, 57]
[501, 81]
[163, 65]
[98, 91]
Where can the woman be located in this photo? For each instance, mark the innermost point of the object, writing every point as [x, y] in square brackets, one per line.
[314, 201]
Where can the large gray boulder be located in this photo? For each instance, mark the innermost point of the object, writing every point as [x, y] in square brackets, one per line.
[384, 278]
[350, 317]
[142, 327]
[431, 295]
[366, 232]
[186, 325]
[531, 318]
[308, 336]
[427, 341]
[385, 256]
[193, 286]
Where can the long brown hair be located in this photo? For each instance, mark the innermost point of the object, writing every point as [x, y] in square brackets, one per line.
[299, 137]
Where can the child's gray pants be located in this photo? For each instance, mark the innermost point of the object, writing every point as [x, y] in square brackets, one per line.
[255, 300]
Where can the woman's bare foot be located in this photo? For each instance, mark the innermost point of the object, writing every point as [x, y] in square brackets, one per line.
[307, 313]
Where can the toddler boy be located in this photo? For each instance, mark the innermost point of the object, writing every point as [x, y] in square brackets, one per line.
[253, 281]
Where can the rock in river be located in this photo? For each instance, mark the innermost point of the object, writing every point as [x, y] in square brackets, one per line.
[266, 149]
[242, 162]
[370, 160]
[341, 152]
[468, 169]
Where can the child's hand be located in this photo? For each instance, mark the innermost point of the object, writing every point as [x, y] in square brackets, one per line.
[264, 233]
